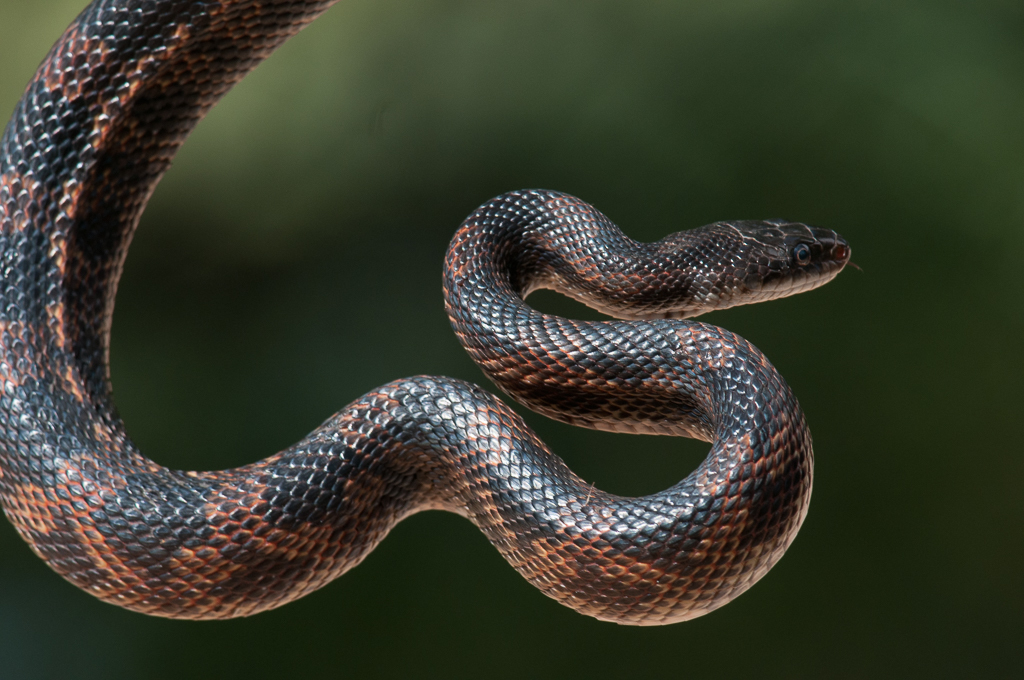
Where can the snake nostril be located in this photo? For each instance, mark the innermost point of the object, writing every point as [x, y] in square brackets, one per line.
[841, 252]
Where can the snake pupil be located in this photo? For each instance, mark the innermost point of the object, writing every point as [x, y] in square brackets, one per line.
[802, 254]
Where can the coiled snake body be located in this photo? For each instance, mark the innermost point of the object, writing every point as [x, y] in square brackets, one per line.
[94, 132]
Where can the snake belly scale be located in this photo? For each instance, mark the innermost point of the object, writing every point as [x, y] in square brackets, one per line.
[95, 130]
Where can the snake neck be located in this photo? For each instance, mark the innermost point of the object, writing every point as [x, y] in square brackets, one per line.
[547, 239]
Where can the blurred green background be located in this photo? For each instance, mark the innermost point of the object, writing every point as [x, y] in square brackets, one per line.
[291, 260]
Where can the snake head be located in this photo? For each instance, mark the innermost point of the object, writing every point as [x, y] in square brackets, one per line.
[741, 262]
[786, 258]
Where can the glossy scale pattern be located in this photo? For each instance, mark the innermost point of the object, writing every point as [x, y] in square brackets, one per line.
[93, 134]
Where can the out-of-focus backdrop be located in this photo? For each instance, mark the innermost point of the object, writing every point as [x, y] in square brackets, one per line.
[291, 260]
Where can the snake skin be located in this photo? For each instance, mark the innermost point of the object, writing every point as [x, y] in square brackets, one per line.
[96, 129]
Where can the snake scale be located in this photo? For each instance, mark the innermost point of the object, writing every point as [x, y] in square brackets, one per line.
[94, 132]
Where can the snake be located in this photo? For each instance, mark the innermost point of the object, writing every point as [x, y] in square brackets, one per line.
[98, 126]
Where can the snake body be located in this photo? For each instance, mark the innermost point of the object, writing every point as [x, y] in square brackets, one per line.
[88, 142]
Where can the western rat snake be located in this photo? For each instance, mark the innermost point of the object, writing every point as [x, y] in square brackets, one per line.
[96, 129]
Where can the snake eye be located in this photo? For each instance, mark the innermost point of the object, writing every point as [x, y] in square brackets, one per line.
[802, 253]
